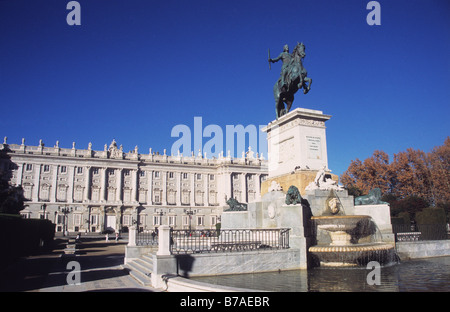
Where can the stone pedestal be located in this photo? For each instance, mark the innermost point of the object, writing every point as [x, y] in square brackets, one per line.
[297, 140]
[163, 240]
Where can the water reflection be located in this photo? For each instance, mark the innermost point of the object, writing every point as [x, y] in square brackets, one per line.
[431, 274]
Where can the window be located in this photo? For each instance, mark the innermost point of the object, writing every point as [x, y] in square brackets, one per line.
[199, 176]
[157, 220]
[94, 170]
[44, 194]
[78, 195]
[199, 197]
[62, 193]
[185, 220]
[27, 191]
[94, 219]
[95, 195]
[142, 173]
[171, 197]
[212, 197]
[29, 167]
[201, 220]
[172, 220]
[185, 176]
[63, 169]
[111, 172]
[185, 197]
[126, 172]
[77, 219]
[126, 195]
[142, 195]
[79, 170]
[213, 220]
[211, 177]
[157, 196]
[170, 175]
[126, 220]
[46, 168]
[157, 174]
[111, 194]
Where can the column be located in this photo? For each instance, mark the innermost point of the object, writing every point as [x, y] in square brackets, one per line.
[118, 185]
[178, 179]
[149, 187]
[257, 178]
[206, 189]
[103, 185]
[19, 174]
[37, 179]
[87, 183]
[54, 183]
[71, 172]
[134, 185]
[164, 188]
[243, 187]
[192, 188]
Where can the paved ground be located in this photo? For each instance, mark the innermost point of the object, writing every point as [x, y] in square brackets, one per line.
[100, 265]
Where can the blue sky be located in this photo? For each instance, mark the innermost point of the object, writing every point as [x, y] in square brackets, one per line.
[135, 69]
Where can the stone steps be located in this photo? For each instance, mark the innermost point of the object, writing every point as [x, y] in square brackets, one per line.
[141, 269]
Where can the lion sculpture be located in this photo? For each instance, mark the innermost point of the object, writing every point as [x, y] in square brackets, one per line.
[293, 196]
[373, 198]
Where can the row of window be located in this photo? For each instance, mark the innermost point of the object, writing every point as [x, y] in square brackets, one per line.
[111, 194]
[126, 172]
[127, 220]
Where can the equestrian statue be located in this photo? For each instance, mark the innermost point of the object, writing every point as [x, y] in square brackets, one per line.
[293, 77]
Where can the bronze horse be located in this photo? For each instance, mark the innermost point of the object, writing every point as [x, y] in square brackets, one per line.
[295, 78]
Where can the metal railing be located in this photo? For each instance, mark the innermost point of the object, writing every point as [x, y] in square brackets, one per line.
[231, 240]
[146, 239]
[420, 232]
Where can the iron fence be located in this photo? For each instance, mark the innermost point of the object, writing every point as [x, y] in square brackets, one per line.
[231, 240]
[146, 239]
[420, 232]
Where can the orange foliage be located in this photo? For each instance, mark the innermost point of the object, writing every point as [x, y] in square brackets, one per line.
[411, 173]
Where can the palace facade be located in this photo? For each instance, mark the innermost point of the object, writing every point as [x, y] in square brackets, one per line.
[82, 190]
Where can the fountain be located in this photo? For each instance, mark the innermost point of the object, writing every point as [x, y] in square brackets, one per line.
[345, 248]
[355, 239]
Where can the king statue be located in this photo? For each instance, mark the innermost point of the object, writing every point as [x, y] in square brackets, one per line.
[292, 78]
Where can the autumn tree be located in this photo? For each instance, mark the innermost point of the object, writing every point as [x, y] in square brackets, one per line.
[412, 176]
[439, 164]
[374, 172]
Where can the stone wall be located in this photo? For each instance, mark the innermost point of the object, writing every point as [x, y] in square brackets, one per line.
[423, 249]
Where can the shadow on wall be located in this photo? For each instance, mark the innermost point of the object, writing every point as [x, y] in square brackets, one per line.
[184, 264]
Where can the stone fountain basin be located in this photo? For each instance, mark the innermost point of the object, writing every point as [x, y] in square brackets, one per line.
[340, 223]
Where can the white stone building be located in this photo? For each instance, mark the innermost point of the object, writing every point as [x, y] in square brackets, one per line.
[111, 189]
